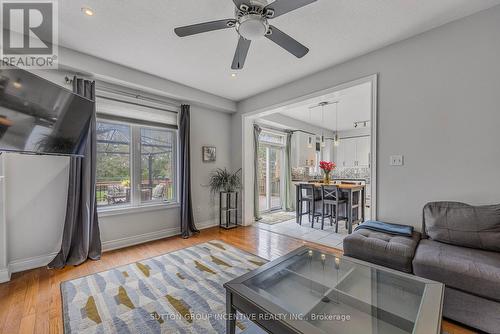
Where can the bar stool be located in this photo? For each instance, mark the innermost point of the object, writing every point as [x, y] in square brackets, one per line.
[309, 195]
[331, 199]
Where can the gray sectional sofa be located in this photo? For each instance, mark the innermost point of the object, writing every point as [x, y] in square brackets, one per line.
[459, 246]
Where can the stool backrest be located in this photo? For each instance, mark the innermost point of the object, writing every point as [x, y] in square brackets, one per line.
[329, 193]
[306, 192]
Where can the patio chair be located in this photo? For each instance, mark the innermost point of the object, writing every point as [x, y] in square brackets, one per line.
[159, 191]
[116, 194]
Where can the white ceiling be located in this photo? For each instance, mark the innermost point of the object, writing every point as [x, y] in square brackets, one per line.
[139, 34]
[353, 106]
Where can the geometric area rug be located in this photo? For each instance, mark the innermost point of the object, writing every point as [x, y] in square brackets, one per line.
[178, 292]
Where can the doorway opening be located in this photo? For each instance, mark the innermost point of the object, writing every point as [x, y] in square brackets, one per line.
[334, 125]
[269, 164]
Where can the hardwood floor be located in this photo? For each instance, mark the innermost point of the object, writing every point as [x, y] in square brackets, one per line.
[31, 301]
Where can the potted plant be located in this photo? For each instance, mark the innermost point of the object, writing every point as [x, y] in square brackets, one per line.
[221, 180]
[227, 185]
[327, 167]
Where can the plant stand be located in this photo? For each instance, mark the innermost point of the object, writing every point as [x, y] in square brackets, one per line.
[228, 210]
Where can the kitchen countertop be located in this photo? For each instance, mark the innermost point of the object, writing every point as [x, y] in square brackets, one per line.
[333, 179]
[340, 186]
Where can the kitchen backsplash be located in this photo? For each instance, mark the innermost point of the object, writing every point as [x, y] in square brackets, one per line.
[305, 173]
[351, 173]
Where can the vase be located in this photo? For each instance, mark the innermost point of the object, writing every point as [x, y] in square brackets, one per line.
[326, 180]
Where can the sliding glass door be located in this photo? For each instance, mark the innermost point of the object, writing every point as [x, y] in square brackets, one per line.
[270, 162]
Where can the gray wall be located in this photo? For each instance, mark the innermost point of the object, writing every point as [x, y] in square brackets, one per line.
[439, 106]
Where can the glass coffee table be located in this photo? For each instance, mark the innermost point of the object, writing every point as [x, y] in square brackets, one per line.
[311, 291]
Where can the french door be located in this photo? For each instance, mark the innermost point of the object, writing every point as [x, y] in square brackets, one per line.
[270, 180]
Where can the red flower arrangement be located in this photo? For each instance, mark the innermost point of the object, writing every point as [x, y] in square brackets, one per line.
[327, 166]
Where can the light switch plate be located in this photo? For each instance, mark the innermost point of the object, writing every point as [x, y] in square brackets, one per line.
[396, 160]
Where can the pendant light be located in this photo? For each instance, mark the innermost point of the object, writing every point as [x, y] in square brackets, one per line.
[310, 139]
[323, 104]
[336, 139]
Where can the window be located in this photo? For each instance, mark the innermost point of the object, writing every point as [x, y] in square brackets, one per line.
[157, 165]
[136, 164]
[272, 138]
[113, 164]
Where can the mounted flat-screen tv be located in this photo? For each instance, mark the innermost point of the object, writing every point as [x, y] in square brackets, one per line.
[40, 117]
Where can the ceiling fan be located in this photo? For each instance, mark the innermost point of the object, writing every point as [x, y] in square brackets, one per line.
[251, 23]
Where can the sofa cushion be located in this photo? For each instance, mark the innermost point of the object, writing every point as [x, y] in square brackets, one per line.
[471, 270]
[463, 225]
[387, 250]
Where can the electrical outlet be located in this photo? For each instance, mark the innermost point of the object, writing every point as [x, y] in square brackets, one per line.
[396, 160]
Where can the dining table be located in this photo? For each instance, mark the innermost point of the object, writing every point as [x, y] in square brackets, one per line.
[353, 193]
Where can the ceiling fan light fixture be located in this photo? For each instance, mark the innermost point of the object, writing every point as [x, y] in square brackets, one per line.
[252, 27]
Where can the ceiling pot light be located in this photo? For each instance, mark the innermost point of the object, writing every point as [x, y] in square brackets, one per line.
[88, 11]
[252, 26]
[233, 75]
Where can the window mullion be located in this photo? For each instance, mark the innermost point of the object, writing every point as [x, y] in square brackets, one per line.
[136, 166]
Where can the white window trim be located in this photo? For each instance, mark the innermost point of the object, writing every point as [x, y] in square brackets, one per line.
[274, 133]
[135, 205]
[127, 209]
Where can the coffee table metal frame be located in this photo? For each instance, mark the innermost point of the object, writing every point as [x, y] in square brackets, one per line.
[241, 298]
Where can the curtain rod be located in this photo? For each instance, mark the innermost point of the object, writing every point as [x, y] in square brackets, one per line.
[304, 131]
[135, 95]
[271, 128]
[136, 104]
[283, 130]
[104, 87]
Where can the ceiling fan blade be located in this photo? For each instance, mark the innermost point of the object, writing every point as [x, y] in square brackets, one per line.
[241, 54]
[204, 27]
[281, 7]
[287, 42]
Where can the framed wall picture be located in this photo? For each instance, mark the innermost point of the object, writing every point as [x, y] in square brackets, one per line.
[208, 153]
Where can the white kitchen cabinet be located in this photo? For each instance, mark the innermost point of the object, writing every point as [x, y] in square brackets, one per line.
[353, 152]
[349, 152]
[303, 154]
[363, 151]
[338, 154]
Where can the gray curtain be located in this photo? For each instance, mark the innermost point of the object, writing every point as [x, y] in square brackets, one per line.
[81, 237]
[256, 133]
[287, 198]
[187, 218]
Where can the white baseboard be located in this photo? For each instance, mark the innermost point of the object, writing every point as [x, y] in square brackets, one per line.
[31, 262]
[4, 275]
[207, 224]
[43, 260]
[150, 236]
[139, 239]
